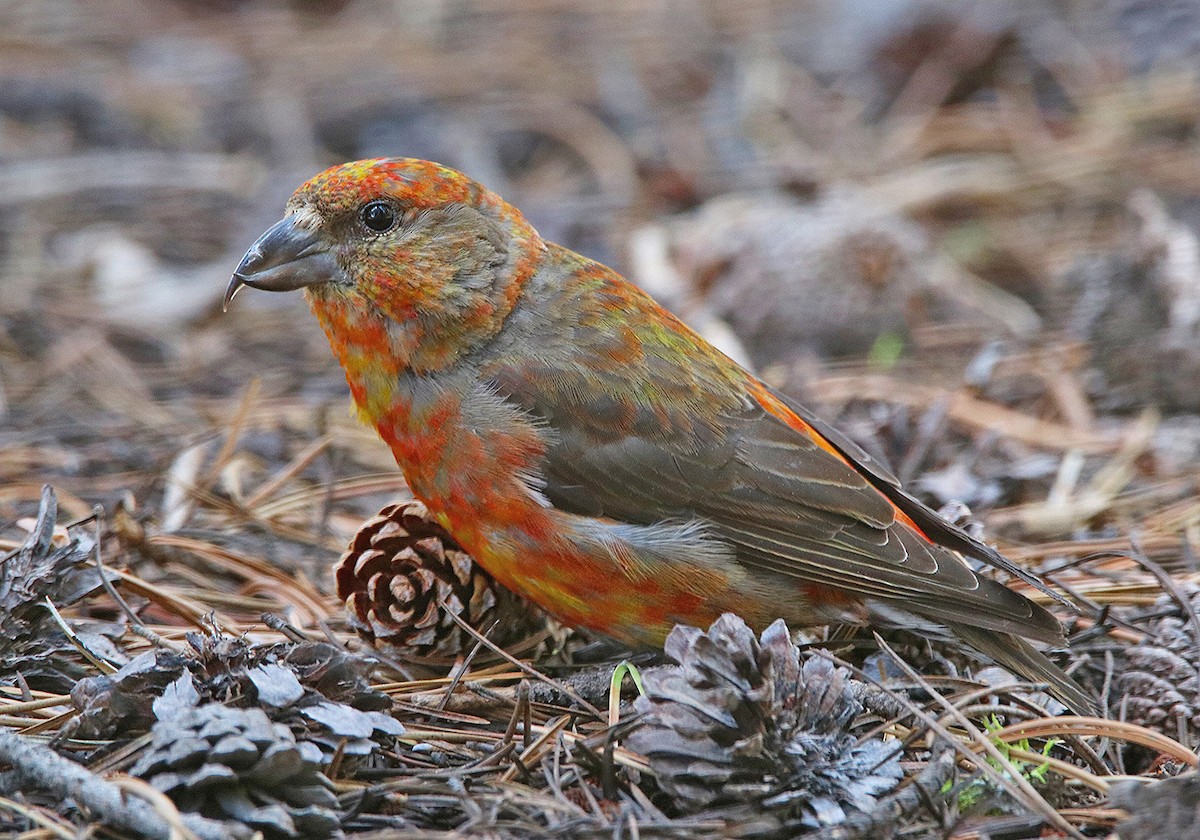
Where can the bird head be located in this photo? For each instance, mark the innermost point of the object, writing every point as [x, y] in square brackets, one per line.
[422, 246]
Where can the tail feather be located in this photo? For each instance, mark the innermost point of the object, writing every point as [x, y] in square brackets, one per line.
[1026, 661]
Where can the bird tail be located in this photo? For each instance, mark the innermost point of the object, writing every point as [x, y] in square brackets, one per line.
[1026, 661]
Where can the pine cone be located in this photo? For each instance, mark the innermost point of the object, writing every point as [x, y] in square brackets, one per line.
[236, 764]
[119, 705]
[332, 672]
[1160, 683]
[1167, 808]
[402, 577]
[830, 276]
[742, 731]
[31, 643]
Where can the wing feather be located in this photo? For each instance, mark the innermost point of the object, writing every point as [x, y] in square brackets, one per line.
[682, 442]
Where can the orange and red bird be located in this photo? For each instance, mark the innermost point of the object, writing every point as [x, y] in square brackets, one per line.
[595, 454]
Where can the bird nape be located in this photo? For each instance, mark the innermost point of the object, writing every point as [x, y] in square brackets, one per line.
[596, 455]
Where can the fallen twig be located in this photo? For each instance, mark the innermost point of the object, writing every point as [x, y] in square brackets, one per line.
[35, 765]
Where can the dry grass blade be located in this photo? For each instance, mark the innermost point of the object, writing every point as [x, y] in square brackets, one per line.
[310, 605]
[966, 409]
[233, 430]
[534, 752]
[302, 460]
[1066, 508]
[159, 801]
[100, 664]
[1103, 818]
[35, 705]
[1114, 729]
[55, 825]
[33, 181]
[1062, 768]
[528, 669]
[620, 755]
[348, 488]
[1011, 780]
[198, 615]
[49, 724]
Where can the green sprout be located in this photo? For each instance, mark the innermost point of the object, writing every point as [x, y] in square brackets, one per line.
[886, 350]
[979, 788]
[614, 689]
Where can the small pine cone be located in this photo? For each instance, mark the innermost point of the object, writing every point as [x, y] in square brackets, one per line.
[1160, 683]
[743, 731]
[236, 764]
[1167, 808]
[403, 575]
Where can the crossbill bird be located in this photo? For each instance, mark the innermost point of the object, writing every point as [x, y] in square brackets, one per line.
[595, 454]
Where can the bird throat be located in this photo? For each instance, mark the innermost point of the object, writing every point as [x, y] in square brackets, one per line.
[415, 399]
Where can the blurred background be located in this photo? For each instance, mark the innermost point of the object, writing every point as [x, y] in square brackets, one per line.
[967, 232]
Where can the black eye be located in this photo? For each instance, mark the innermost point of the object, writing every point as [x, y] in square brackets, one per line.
[379, 216]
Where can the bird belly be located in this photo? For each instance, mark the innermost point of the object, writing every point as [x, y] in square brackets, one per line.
[634, 583]
[581, 592]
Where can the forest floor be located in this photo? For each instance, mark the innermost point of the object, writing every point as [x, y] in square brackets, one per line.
[969, 239]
